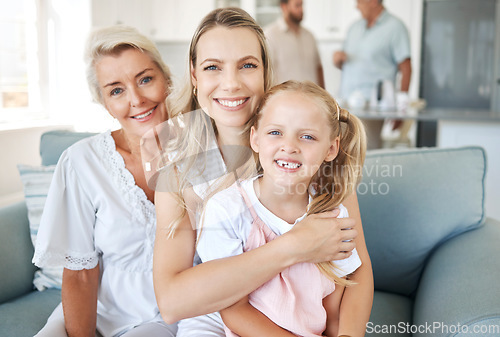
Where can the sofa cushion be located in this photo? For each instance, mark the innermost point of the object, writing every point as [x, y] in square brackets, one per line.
[53, 144]
[391, 314]
[26, 315]
[16, 252]
[36, 181]
[411, 201]
[460, 284]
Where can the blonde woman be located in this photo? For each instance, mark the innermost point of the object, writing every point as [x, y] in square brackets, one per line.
[229, 72]
[99, 217]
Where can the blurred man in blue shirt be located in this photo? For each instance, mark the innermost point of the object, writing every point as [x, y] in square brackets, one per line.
[376, 48]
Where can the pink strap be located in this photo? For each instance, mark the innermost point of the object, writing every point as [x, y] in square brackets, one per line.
[247, 202]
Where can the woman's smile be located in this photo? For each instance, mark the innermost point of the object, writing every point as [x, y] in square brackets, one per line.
[229, 75]
[232, 103]
[143, 117]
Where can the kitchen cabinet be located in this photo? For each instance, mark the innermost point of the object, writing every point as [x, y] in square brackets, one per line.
[459, 34]
[265, 12]
[128, 12]
[463, 35]
[329, 20]
[160, 20]
[174, 20]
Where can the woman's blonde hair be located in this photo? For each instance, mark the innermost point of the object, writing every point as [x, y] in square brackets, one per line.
[338, 178]
[112, 41]
[195, 139]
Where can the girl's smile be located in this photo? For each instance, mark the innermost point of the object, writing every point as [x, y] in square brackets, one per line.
[289, 165]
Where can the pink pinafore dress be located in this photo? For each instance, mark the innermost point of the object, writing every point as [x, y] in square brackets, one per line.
[294, 298]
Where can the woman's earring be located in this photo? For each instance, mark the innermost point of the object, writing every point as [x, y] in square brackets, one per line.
[194, 91]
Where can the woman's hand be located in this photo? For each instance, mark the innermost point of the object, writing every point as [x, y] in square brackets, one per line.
[323, 237]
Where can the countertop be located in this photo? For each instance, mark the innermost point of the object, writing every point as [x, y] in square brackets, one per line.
[431, 114]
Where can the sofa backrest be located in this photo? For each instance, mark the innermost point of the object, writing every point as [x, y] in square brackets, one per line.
[16, 252]
[53, 144]
[411, 201]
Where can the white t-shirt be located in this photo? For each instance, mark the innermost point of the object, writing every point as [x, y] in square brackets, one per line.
[227, 222]
[95, 213]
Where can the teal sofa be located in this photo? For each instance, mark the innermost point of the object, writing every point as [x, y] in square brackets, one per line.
[436, 259]
[23, 310]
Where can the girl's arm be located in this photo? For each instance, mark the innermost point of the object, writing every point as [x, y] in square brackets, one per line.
[244, 320]
[79, 300]
[357, 301]
[331, 303]
[184, 291]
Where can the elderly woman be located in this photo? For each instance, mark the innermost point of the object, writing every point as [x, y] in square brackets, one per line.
[99, 218]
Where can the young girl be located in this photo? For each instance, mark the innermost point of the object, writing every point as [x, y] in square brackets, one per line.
[229, 71]
[310, 152]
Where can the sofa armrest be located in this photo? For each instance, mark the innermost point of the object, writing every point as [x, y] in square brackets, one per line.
[16, 252]
[460, 290]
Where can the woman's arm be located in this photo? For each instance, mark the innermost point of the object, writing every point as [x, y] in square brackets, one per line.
[184, 291]
[79, 300]
[357, 301]
[244, 320]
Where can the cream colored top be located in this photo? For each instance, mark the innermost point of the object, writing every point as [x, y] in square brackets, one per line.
[294, 56]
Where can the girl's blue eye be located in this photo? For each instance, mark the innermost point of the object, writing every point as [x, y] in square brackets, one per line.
[309, 137]
[116, 91]
[274, 133]
[212, 67]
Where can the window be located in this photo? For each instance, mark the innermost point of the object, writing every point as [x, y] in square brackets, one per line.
[42, 72]
[20, 81]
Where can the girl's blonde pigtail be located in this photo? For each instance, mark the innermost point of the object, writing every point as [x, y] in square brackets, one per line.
[338, 179]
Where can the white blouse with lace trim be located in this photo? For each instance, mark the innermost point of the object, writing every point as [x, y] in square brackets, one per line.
[95, 213]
